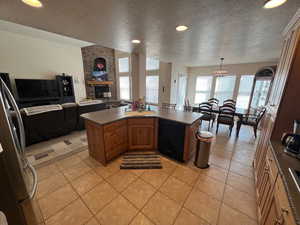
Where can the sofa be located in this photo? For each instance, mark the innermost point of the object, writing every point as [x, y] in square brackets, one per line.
[59, 121]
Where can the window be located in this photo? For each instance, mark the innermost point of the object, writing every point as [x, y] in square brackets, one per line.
[124, 78]
[152, 63]
[152, 80]
[244, 93]
[224, 88]
[152, 87]
[123, 65]
[181, 94]
[124, 87]
[260, 93]
[203, 89]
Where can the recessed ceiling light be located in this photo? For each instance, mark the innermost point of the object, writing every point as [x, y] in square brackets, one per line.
[269, 4]
[136, 41]
[33, 3]
[181, 28]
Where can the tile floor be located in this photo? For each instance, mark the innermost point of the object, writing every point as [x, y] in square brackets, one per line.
[78, 190]
[50, 151]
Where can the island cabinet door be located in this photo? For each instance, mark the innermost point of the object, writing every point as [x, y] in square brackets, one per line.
[115, 139]
[141, 134]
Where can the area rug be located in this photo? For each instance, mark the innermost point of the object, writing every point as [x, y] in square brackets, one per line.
[141, 160]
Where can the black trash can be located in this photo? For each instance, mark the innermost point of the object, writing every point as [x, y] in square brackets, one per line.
[204, 140]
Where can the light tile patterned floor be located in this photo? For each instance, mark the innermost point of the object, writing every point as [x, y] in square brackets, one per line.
[79, 191]
[52, 150]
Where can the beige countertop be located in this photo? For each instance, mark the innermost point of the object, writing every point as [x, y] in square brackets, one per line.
[110, 115]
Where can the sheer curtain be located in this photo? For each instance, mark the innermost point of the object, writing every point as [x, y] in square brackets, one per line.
[243, 98]
[124, 78]
[152, 88]
[203, 89]
[224, 88]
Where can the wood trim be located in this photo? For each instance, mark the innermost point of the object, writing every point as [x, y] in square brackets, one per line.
[288, 109]
[95, 82]
[293, 24]
[95, 136]
[186, 144]
[190, 142]
[156, 134]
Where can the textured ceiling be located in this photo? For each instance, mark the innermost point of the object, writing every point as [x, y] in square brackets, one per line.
[239, 30]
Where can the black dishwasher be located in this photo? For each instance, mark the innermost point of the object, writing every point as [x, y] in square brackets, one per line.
[171, 139]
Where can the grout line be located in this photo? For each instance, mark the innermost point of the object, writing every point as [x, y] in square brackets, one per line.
[154, 193]
[60, 171]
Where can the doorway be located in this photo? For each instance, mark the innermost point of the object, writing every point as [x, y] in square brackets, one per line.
[181, 93]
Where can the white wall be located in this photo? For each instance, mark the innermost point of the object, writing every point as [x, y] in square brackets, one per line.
[24, 56]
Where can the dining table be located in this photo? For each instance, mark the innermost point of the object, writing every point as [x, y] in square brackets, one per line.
[239, 112]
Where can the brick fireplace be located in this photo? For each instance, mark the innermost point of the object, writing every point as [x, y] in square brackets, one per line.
[89, 54]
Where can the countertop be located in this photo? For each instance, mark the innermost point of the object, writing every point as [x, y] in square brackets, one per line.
[111, 115]
[285, 162]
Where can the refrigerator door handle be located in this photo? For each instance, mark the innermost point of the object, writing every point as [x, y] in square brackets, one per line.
[35, 181]
[19, 119]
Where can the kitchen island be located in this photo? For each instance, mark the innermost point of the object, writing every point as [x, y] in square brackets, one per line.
[114, 131]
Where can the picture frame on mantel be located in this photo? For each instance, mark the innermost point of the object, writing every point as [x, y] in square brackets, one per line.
[99, 71]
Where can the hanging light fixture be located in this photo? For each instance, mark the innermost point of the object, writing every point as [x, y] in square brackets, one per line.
[33, 3]
[269, 4]
[221, 70]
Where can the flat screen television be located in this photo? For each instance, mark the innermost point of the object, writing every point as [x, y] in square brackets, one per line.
[32, 88]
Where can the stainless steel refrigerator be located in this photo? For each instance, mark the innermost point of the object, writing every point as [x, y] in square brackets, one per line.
[18, 178]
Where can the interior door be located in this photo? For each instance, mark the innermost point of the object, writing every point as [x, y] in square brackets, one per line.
[181, 94]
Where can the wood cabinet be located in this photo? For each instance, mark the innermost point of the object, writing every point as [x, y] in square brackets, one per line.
[141, 134]
[108, 141]
[273, 204]
[279, 211]
[115, 139]
[285, 89]
[265, 183]
[283, 69]
[190, 140]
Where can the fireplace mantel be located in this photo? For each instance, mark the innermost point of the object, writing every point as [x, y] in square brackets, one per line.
[95, 82]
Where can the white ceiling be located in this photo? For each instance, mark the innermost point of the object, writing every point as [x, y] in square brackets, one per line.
[37, 33]
[239, 30]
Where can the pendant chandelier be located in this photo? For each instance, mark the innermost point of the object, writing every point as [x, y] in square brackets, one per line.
[221, 71]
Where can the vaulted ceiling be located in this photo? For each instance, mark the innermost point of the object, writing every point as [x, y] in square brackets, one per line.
[239, 30]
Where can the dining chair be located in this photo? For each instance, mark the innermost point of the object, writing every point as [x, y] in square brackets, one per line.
[206, 109]
[229, 101]
[226, 117]
[252, 120]
[187, 107]
[168, 106]
[230, 105]
[213, 101]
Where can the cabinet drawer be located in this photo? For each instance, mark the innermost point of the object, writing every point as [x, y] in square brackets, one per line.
[272, 163]
[112, 126]
[142, 121]
[284, 204]
[114, 152]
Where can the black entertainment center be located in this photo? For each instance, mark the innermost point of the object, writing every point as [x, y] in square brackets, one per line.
[36, 92]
